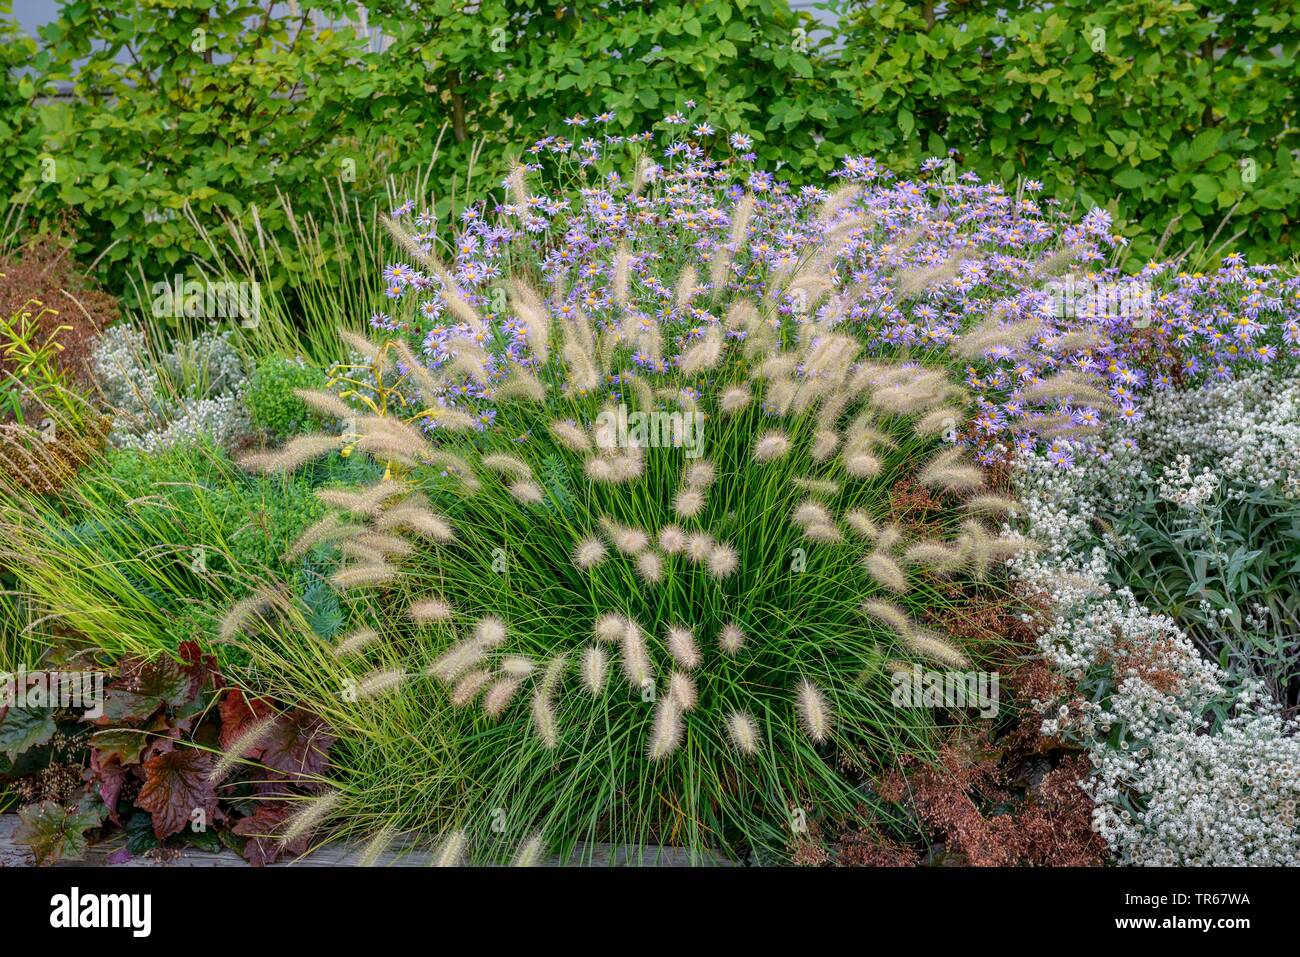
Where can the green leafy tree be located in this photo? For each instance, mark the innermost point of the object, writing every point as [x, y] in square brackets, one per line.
[513, 72]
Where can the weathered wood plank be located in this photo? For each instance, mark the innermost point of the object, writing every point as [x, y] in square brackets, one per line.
[336, 855]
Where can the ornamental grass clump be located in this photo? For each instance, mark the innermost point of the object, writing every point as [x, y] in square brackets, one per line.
[632, 573]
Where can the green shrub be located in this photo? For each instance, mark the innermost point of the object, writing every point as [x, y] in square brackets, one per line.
[20, 133]
[1208, 527]
[270, 399]
[1228, 573]
[220, 108]
[513, 73]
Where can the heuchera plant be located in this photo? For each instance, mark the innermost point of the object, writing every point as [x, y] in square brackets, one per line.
[173, 756]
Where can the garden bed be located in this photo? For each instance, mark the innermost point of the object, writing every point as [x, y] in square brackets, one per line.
[663, 503]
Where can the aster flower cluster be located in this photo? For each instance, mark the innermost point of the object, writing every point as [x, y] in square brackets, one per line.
[921, 260]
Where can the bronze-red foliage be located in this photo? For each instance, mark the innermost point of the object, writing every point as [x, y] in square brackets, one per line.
[44, 270]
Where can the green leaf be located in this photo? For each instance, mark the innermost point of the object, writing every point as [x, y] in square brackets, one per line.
[122, 743]
[24, 728]
[55, 833]
[1129, 178]
[1204, 144]
[906, 122]
[139, 833]
[205, 840]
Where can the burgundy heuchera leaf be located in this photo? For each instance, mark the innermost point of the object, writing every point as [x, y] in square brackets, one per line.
[176, 785]
[108, 775]
[237, 712]
[298, 745]
[141, 688]
[263, 847]
[201, 669]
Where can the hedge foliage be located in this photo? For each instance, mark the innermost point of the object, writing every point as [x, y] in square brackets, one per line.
[1167, 109]
[1155, 109]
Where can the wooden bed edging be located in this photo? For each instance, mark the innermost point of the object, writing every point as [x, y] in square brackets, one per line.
[335, 855]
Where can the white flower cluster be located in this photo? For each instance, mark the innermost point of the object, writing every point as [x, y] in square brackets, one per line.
[163, 400]
[1222, 799]
[222, 419]
[1169, 787]
[1247, 431]
[1179, 486]
[119, 363]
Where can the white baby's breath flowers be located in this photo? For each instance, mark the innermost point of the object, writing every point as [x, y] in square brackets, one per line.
[1246, 430]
